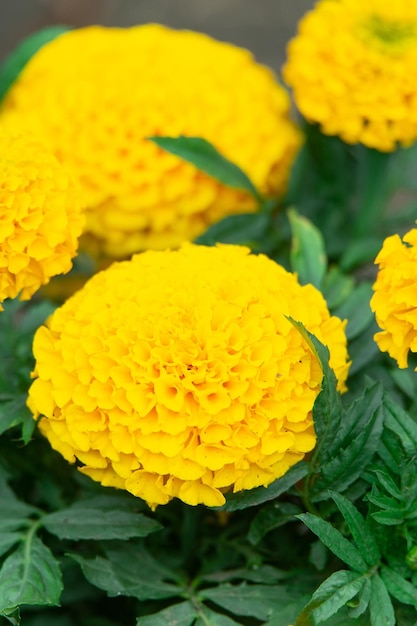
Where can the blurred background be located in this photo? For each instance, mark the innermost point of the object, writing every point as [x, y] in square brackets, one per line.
[262, 26]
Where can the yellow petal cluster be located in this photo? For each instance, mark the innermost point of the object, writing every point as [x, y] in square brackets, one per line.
[352, 69]
[98, 93]
[395, 299]
[40, 213]
[177, 373]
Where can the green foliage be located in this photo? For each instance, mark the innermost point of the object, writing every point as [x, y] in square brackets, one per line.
[16, 61]
[206, 158]
[334, 540]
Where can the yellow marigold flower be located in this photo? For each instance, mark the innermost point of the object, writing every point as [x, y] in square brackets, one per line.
[395, 299]
[40, 213]
[98, 93]
[352, 68]
[177, 374]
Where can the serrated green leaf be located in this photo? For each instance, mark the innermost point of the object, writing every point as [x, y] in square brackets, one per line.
[308, 253]
[380, 605]
[86, 522]
[361, 533]
[343, 458]
[271, 517]
[210, 618]
[208, 159]
[335, 541]
[258, 601]
[259, 495]
[131, 571]
[30, 575]
[388, 484]
[247, 229]
[182, 614]
[398, 420]
[398, 587]
[332, 595]
[16, 61]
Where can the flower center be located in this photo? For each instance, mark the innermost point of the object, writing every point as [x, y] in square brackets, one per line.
[390, 33]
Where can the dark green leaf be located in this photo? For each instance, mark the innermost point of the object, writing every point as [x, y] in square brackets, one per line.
[336, 287]
[342, 460]
[131, 571]
[13, 512]
[331, 596]
[359, 252]
[397, 420]
[244, 229]
[380, 605]
[335, 541]
[259, 495]
[388, 484]
[259, 574]
[361, 533]
[16, 61]
[271, 517]
[210, 618]
[357, 311]
[398, 587]
[258, 601]
[81, 521]
[182, 614]
[389, 518]
[206, 158]
[308, 254]
[7, 540]
[30, 575]
[318, 555]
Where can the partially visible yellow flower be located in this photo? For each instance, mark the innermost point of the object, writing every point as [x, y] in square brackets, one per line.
[352, 69]
[178, 374]
[395, 299]
[97, 94]
[40, 213]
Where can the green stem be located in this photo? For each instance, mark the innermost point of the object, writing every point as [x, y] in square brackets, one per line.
[189, 536]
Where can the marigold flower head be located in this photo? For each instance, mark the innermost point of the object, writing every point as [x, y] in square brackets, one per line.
[98, 93]
[352, 68]
[177, 374]
[395, 299]
[40, 213]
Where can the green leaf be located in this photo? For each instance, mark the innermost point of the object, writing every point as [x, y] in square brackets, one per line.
[388, 484]
[182, 614]
[361, 533]
[266, 574]
[16, 61]
[86, 521]
[131, 571]
[357, 311]
[332, 595]
[258, 601]
[380, 605]
[364, 596]
[343, 456]
[360, 251]
[398, 587]
[398, 421]
[13, 512]
[7, 540]
[335, 541]
[271, 517]
[247, 229]
[308, 254]
[336, 287]
[210, 618]
[259, 495]
[206, 158]
[30, 575]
